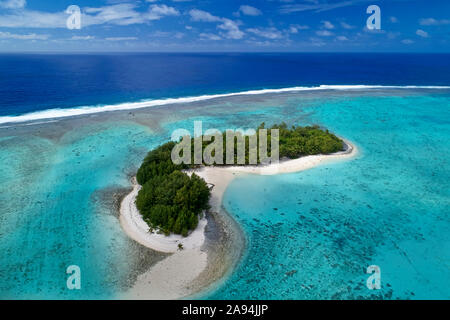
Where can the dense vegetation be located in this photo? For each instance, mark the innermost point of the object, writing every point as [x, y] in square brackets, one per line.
[172, 201]
[296, 142]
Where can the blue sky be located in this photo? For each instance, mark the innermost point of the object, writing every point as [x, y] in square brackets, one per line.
[225, 25]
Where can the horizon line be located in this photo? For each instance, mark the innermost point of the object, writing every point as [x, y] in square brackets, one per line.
[218, 52]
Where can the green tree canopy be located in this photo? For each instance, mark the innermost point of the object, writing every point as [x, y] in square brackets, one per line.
[172, 201]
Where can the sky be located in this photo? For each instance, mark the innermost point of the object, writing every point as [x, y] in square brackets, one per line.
[224, 26]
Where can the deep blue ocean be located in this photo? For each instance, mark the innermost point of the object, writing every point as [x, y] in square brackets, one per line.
[309, 235]
[32, 82]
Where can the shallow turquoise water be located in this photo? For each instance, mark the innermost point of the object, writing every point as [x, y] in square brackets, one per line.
[388, 207]
[49, 218]
[312, 234]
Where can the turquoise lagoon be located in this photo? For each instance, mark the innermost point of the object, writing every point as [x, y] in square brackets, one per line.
[310, 235]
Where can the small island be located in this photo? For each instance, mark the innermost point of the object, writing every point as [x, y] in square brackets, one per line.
[172, 201]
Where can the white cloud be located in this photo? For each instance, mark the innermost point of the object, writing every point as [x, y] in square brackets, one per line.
[13, 4]
[121, 39]
[407, 41]
[294, 28]
[269, 33]
[342, 38]
[230, 27]
[249, 10]
[433, 22]
[327, 25]
[179, 35]
[422, 33]
[374, 31]
[82, 38]
[33, 19]
[156, 12]
[346, 25]
[393, 35]
[324, 33]
[31, 36]
[317, 5]
[209, 36]
[317, 42]
[160, 34]
[203, 16]
[118, 14]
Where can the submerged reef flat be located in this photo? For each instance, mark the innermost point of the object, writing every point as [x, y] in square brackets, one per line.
[198, 265]
[388, 206]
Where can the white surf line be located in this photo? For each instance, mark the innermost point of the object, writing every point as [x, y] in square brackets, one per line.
[85, 110]
[29, 124]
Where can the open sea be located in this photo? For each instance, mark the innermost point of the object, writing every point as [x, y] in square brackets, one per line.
[309, 235]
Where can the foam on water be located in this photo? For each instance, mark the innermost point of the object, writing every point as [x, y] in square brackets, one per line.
[387, 207]
[70, 112]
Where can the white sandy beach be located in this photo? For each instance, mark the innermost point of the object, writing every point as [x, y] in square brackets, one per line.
[172, 277]
[133, 224]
